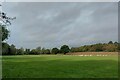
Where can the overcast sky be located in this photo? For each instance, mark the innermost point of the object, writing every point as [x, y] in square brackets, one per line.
[53, 24]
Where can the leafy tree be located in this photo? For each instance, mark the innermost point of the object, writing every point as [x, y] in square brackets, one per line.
[115, 42]
[110, 42]
[20, 51]
[47, 51]
[98, 47]
[55, 50]
[85, 48]
[43, 51]
[76, 49]
[64, 49]
[5, 21]
[5, 48]
[27, 51]
[110, 48]
[38, 50]
[33, 51]
[72, 49]
[12, 50]
[5, 32]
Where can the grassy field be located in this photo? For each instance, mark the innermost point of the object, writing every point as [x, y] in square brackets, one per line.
[59, 66]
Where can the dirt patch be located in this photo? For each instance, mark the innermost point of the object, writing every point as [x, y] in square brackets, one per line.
[94, 53]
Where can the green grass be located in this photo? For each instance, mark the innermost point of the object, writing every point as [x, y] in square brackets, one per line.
[58, 66]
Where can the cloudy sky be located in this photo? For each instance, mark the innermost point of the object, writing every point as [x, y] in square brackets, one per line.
[52, 24]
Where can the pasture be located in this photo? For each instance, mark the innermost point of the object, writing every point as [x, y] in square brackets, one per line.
[59, 66]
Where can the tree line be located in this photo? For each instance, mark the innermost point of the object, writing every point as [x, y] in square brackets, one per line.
[100, 47]
[12, 50]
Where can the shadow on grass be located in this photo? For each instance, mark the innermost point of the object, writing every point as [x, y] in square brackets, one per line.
[60, 79]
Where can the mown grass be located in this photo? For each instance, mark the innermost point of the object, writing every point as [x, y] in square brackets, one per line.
[58, 66]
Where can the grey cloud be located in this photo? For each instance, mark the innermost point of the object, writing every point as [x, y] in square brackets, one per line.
[53, 24]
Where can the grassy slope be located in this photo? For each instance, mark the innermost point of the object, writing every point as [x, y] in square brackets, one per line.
[36, 66]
